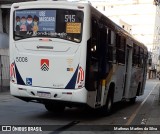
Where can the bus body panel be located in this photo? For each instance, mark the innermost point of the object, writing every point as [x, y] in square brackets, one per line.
[136, 79]
[47, 69]
[119, 82]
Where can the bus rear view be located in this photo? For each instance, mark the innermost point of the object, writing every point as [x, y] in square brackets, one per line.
[45, 51]
[69, 54]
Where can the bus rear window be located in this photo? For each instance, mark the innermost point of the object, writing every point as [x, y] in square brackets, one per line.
[52, 23]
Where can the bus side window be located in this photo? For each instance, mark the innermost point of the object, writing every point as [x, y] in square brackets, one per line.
[103, 48]
[111, 53]
[120, 48]
[136, 55]
[118, 39]
[110, 47]
[113, 44]
[142, 57]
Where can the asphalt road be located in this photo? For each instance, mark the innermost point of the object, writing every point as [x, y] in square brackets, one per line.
[144, 112]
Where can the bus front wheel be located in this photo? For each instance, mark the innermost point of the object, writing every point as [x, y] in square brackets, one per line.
[56, 108]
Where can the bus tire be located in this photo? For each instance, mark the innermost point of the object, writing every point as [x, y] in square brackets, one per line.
[108, 108]
[132, 100]
[138, 89]
[56, 108]
[109, 104]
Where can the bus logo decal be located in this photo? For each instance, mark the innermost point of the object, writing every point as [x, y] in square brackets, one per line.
[80, 75]
[18, 76]
[12, 71]
[71, 84]
[44, 64]
[29, 81]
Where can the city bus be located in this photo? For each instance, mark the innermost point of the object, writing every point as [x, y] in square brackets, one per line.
[68, 54]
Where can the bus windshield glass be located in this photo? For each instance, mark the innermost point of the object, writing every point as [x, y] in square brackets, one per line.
[51, 23]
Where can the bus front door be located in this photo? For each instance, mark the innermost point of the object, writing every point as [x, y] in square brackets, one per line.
[96, 69]
[96, 62]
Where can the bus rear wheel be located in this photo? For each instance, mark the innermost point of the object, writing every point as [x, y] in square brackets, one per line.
[56, 108]
[132, 100]
[108, 108]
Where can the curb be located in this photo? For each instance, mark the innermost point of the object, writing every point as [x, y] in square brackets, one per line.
[4, 89]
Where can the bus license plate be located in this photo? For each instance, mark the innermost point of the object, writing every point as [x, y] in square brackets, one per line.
[44, 94]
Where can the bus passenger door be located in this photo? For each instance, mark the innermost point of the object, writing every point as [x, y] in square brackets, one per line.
[92, 64]
[96, 60]
[128, 70]
[95, 63]
[101, 63]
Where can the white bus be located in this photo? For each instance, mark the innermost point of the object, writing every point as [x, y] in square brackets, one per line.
[69, 54]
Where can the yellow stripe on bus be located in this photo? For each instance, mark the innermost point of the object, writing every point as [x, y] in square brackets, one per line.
[111, 72]
[103, 82]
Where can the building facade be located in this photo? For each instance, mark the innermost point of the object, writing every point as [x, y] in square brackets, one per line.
[4, 42]
[156, 40]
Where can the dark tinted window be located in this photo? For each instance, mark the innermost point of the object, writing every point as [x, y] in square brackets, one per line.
[56, 23]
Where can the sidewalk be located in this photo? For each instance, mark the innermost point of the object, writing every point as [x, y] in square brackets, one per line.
[154, 118]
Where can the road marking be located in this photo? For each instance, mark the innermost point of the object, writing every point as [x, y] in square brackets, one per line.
[135, 113]
[63, 128]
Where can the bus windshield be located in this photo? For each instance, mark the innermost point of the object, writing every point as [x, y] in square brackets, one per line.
[51, 23]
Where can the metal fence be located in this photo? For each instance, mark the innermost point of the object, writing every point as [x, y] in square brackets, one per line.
[4, 72]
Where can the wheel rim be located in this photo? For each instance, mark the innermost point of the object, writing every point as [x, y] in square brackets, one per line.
[109, 104]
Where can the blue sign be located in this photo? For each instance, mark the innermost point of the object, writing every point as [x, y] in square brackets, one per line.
[35, 20]
[29, 81]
